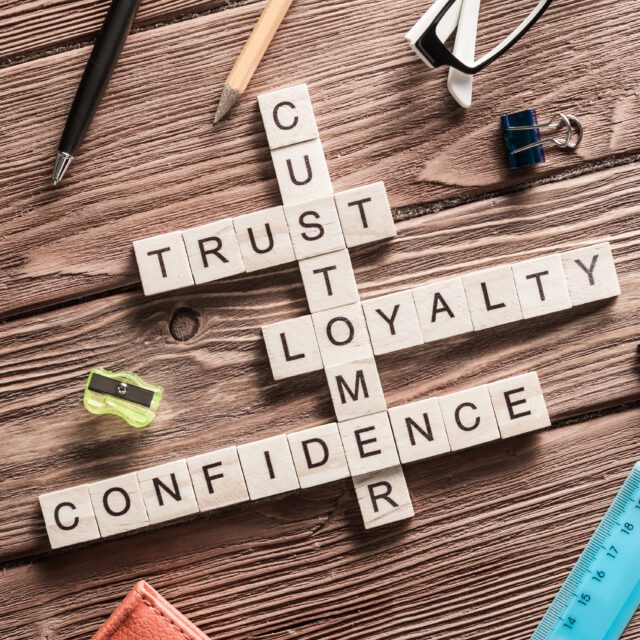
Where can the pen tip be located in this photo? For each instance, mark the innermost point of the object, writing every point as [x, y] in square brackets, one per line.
[63, 160]
[228, 99]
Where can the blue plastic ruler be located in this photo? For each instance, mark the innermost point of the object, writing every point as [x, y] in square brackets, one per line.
[602, 592]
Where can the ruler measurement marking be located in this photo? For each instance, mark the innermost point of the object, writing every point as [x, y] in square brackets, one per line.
[612, 546]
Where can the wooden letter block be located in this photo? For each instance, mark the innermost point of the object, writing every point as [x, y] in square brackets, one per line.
[213, 251]
[368, 443]
[393, 322]
[69, 517]
[468, 418]
[591, 274]
[342, 334]
[318, 455]
[492, 297]
[292, 347]
[268, 467]
[329, 281]
[314, 227]
[442, 309]
[163, 263]
[541, 286]
[419, 430]
[302, 172]
[519, 405]
[167, 491]
[264, 239]
[118, 505]
[355, 389]
[288, 116]
[383, 497]
[365, 214]
[217, 479]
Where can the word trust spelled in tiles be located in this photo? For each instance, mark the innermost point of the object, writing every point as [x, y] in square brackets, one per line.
[369, 448]
[313, 222]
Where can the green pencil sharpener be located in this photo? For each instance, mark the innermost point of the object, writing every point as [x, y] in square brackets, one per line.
[122, 394]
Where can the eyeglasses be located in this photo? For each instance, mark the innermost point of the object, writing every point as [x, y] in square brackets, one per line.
[430, 34]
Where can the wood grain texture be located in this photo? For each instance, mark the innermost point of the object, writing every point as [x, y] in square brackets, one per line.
[29, 26]
[218, 386]
[496, 531]
[153, 162]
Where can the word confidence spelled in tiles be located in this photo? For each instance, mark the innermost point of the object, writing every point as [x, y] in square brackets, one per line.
[369, 448]
[483, 299]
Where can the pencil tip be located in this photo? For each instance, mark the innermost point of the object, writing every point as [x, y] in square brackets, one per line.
[63, 160]
[228, 99]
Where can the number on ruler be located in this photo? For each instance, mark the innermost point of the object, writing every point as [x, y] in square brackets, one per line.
[583, 599]
[570, 623]
[613, 552]
[627, 528]
[598, 576]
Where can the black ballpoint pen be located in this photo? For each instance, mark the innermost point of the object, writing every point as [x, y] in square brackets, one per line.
[95, 78]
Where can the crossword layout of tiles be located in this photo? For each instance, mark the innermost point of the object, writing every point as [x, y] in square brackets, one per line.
[369, 442]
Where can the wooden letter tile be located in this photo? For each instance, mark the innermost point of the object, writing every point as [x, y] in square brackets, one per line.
[368, 443]
[167, 491]
[492, 297]
[292, 347]
[355, 389]
[383, 497]
[393, 322]
[342, 334]
[314, 227]
[329, 281]
[302, 172]
[591, 274]
[163, 263]
[118, 505]
[69, 517]
[217, 479]
[288, 116]
[264, 239]
[442, 309]
[318, 455]
[541, 286]
[419, 430]
[213, 251]
[365, 214]
[469, 418]
[519, 405]
[268, 467]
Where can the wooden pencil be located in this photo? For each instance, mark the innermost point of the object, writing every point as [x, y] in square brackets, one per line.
[251, 54]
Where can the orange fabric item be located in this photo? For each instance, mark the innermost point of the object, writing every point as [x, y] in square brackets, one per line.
[145, 615]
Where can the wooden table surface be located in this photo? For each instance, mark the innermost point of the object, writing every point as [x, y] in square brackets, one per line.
[496, 528]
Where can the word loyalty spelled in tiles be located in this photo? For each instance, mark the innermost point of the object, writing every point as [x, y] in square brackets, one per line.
[370, 449]
[338, 336]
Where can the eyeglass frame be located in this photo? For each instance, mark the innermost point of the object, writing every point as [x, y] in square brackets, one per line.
[435, 52]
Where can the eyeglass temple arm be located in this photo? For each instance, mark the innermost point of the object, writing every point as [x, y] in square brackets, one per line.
[460, 84]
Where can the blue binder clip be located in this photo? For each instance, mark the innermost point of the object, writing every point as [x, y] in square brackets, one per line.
[525, 142]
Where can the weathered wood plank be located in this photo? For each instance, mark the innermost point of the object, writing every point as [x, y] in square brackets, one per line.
[28, 26]
[495, 533]
[153, 162]
[218, 386]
